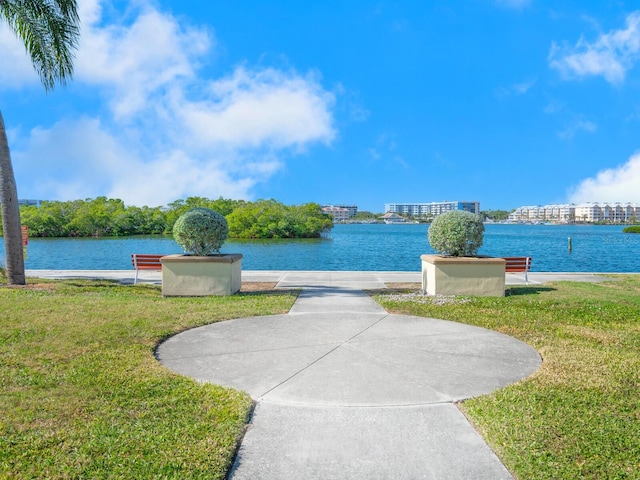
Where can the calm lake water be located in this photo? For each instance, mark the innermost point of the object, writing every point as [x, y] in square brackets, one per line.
[364, 247]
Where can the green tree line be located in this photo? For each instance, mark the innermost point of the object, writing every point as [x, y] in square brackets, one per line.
[495, 215]
[103, 216]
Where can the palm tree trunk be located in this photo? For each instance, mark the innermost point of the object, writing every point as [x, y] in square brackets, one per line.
[10, 214]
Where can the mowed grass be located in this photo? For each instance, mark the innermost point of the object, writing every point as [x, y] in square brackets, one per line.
[82, 396]
[578, 416]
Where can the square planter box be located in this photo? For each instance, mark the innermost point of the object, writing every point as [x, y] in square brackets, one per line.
[196, 276]
[481, 276]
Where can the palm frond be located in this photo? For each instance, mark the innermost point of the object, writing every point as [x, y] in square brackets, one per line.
[49, 30]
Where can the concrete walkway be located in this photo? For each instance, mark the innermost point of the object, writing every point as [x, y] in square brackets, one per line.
[345, 390]
[294, 279]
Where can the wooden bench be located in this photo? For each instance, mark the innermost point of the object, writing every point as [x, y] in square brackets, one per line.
[518, 264]
[144, 261]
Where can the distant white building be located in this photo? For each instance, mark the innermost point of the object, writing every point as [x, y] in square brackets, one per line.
[582, 213]
[588, 213]
[430, 209]
[391, 217]
[339, 214]
[556, 213]
[353, 209]
[24, 201]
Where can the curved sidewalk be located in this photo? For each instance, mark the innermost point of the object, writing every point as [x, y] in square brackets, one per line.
[346, 390]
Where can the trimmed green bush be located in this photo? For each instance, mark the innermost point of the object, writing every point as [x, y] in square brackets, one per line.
[633, 229]
[201, 231]
[457, 233]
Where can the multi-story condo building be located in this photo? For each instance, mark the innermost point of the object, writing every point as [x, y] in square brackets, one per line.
[588, 213]
[339, 214]
[431, 209]
[582, 213]
[548, 213]
[353, 209]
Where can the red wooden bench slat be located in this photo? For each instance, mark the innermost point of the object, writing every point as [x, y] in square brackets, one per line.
[518, 264]
[145, 261]
[150, 266]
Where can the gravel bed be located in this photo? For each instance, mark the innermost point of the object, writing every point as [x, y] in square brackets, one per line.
[419, 297]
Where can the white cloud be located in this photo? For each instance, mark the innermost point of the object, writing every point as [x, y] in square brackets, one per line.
[385, 150]
[611, 55]
[554, 106]
[351, 99]
[76, 159]
[167, 132]
[72, 159]
[134, 62]
[257, 109]
[375, 154]
[173, 175]
[619, 184]
[523, 87]
[578, 125]
[14, 54]
[519, 88]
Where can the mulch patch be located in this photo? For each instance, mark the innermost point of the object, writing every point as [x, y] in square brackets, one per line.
[258, 286]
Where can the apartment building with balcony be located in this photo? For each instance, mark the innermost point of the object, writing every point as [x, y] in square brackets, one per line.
[572, 213]
[430, 209]
[339, 214]
[353, 209]
[555, 213]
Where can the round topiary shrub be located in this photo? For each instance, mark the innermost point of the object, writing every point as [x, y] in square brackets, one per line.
[201, 231]
[457, 233]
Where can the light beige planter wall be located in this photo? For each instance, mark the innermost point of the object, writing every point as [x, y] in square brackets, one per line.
[463, 276]
[194, 276]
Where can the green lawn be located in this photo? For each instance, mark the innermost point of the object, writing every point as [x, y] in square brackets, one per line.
[578, 417]
[83, 397]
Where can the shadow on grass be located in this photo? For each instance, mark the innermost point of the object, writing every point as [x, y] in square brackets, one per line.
[512, 291]
[86, 284]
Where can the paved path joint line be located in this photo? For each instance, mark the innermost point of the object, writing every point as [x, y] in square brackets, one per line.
[345, 389]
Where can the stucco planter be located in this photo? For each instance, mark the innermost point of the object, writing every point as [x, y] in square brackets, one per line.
[481, 276]
[196, 276]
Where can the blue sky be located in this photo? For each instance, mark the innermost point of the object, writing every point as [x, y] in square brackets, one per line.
[505, 102]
